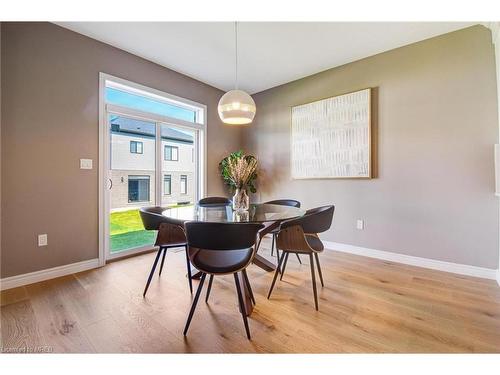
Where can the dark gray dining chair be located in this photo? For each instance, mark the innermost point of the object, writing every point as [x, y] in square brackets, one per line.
[229, 252]
[274, 232]
[170, 234]
[214, 201]
[300, 236]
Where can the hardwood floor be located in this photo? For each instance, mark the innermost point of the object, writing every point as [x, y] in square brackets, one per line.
[367, 305]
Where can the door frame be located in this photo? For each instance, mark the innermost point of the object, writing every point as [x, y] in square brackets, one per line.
[200, 128]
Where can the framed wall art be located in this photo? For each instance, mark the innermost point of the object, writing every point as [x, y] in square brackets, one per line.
[331, 138]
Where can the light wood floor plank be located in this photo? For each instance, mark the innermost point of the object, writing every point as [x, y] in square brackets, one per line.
[367, 305]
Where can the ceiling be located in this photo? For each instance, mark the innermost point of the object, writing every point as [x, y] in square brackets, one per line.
[270, 53]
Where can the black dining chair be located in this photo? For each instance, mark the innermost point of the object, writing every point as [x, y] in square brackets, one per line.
[274, 232]
[300, 236]
[170, 234]
[229, 252]
[214, 201]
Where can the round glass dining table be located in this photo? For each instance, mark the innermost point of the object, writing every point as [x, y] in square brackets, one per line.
[270, 215]
[216, 213]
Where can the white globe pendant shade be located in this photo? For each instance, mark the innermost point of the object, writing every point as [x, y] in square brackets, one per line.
[236, 107]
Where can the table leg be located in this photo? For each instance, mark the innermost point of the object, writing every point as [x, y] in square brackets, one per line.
[263, 263]
[259, 260]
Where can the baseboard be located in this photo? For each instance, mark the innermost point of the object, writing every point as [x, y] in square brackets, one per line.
[51, 273]
[461, 269]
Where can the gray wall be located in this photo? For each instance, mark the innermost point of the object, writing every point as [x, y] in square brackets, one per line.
[50, 120]
[437, 123]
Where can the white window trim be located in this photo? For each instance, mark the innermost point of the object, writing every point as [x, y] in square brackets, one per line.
[169, 179]
[171, 153]
[137, 143]
[185, 179]
[104, 133]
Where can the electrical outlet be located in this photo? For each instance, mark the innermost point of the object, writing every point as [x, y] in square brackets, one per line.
[360, 224]
[85, 163]
[42, 240]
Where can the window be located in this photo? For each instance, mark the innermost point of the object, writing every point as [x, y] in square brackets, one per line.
[171, 153]
[148, 103]
[184, 183]
[138, 188]
[167, 184]
[135, 147]
[136, 122]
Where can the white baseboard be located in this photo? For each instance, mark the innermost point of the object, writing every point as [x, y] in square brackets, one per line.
[51, 273]
[461, 269]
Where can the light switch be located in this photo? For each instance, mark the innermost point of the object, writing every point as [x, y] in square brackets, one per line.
[42, 240]
[360, 224]
[85, 163]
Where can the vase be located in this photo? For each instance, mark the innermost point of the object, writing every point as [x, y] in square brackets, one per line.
[241, 201]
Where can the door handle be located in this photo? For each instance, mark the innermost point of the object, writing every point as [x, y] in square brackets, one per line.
[110, 183]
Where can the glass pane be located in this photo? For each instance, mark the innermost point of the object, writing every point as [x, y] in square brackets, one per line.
[178, 149]
[132, 146]
[147, 104]
[167, 185]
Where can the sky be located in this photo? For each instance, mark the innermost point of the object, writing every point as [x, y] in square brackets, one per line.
[142, 103]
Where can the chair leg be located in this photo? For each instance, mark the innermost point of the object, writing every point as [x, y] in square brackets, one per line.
[284, 265]
[195, 301]
[242, 305]
[276, 275]
[319, 269]
[278, 259]
[298, 258]
[152, 272]
[162, 260]
[311, 260]
[209, 287]
[272, 245]
[190, 277]
[249, 287]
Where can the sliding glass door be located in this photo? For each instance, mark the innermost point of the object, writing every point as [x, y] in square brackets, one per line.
[132, 181]
[150, 160]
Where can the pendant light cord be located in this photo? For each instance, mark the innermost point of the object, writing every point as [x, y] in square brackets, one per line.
[236, 53]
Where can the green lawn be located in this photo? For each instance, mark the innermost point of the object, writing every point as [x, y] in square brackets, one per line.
[127, 231]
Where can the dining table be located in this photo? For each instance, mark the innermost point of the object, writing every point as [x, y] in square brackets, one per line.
[269, 215]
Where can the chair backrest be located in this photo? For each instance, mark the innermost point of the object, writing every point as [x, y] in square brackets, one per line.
[169, 233]
[221, 236]
[285, 202]
[151, 217]
[214, 200]
[316, 220]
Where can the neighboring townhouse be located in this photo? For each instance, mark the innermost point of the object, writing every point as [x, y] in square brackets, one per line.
[133, 164]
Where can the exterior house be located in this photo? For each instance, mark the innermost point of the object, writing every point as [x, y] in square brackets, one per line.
[133, 145]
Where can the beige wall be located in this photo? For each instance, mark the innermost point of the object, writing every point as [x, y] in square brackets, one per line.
[50, 80]
[437, 123]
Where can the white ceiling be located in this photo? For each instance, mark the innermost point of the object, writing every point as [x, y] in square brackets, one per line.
[270, 54]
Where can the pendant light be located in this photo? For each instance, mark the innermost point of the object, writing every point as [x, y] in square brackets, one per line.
[236, 106]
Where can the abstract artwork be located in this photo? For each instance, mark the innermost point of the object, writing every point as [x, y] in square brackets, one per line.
[331, 138]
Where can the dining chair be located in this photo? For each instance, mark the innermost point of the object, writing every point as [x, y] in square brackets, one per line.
[229, 252]
[170, 234]
[300, 236]
[214, 201]
[274, 232]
